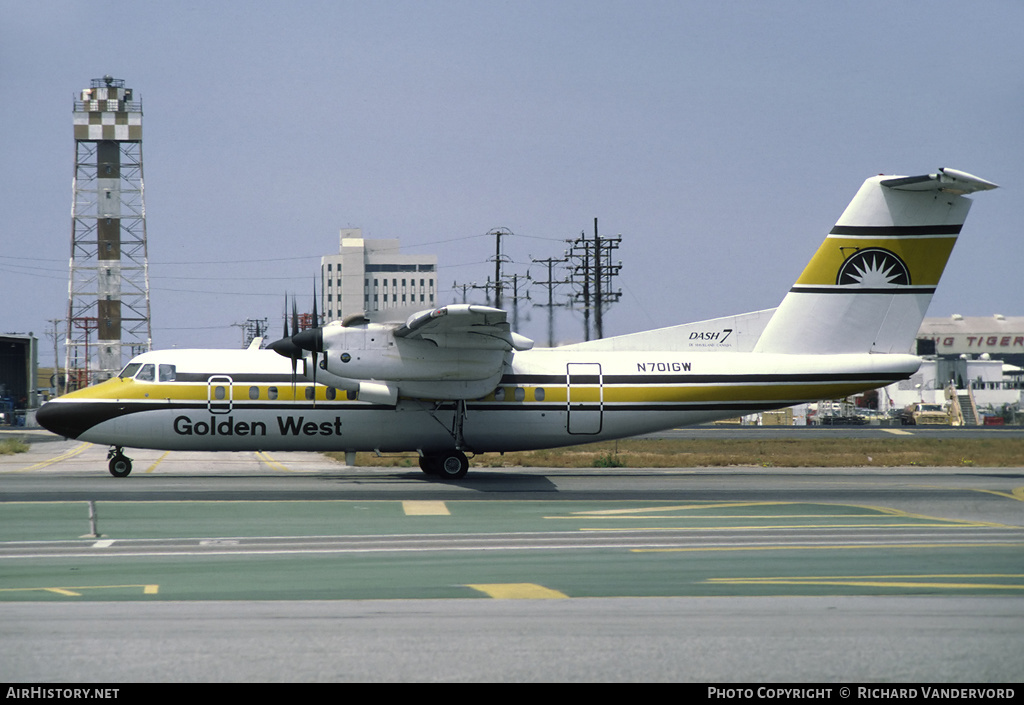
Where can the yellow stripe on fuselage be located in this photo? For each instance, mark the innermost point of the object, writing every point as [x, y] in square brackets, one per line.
[725, 393]
[130, 390]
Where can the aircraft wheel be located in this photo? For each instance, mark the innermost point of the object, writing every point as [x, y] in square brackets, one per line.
[428, 464]
[452, 465]
[119, 466]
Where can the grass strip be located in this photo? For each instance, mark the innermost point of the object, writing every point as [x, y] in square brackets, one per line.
[776, 452]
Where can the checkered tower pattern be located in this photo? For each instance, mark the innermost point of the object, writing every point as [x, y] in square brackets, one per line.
[108, 112]
[108, 303]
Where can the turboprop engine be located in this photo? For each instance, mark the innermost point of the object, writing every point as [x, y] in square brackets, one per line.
[453, 352]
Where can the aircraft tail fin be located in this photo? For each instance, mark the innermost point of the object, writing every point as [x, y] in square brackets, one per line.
[868, 286]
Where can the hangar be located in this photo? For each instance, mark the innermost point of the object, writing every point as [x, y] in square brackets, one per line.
[973, 366]
[1000, 337]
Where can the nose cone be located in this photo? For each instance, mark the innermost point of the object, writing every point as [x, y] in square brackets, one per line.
[286, 348]
[62, 418]
[311, 339]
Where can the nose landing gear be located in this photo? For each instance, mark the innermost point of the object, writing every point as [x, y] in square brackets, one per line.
[118, 463]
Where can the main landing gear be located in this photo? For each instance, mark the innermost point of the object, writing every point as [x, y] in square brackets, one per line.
[448, 465]
[118, 463]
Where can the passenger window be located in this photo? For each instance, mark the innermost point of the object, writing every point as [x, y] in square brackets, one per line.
[538, 394]
[219, 392]
[499, 394]
[146, 374]
[272, 393]
[254, 392]
[331, 393]
[167, 373]
[520, 394]
[310, 393]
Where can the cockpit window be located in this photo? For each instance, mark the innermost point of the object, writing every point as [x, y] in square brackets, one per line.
[167, 373]
[129, 370]
[147, 373]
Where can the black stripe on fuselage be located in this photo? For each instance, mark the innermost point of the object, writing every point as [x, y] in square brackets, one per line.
[637, 379]
[686, 378]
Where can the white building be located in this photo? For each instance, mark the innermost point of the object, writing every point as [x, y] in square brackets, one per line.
[372, 275]
[997, 336]
[990, 383]
[973, 363]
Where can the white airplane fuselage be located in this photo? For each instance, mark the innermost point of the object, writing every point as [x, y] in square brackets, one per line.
[246, 400]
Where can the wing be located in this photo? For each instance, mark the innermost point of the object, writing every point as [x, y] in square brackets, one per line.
[465, 326]
[452, 352]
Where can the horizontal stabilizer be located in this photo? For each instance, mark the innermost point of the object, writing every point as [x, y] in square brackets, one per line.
[947, 180]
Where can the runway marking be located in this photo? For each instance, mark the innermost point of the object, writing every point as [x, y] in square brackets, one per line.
[159, 460]
[880, 513]
[772, 527]
[887, 581]
[518, 591]
[721, 516]
[66, 455]
[830, 547]
[76, 591]
[897, 432]
[423, 508]
[266, 459]
[105, 543]
[1017, 493]
[677, 508]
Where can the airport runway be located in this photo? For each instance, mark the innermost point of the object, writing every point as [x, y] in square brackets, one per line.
[291, 567]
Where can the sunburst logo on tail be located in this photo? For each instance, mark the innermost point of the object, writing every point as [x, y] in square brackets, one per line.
[874, 268]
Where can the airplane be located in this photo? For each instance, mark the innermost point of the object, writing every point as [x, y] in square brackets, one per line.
[455, 380]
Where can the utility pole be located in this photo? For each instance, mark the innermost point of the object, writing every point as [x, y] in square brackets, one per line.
[599, 325]
[580, 273]
[487, 289]
[550, 284]
[592, 272]
[515, 278]
[253, 328]
[456, 286]
[56, 354]
[579, 257]
[498, 233]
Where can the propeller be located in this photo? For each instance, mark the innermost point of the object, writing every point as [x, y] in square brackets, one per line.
[318, 341]
[286, 346]
[295, 344]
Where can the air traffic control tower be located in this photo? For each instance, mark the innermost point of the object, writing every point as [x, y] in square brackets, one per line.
[108, 313]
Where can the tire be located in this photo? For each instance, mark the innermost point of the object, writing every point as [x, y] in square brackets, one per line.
[429, 464]
[120, 466]
[452, 465]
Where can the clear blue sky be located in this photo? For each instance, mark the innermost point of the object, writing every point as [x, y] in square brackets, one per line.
[721, 139]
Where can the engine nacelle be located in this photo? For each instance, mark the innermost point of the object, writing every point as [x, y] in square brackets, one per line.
[449, 353]
[374, 352]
